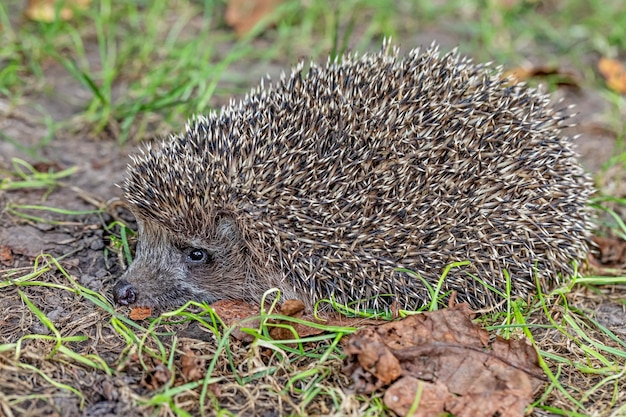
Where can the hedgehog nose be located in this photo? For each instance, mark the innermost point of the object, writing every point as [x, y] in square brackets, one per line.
[124, 293]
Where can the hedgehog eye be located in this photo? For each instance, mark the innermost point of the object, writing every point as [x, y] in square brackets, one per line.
[198, 256]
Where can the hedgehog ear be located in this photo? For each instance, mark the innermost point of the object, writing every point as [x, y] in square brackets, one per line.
[226, 227]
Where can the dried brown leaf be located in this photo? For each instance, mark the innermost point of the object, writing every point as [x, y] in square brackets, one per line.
[157, 377]
[45, 10]
[140, 313]
[401, 395]
[614, 72]
[243, 15]
[610, 252]
[292, 308]
[526, 73]
[464, 373]
[6, 257]
[45, 166]
[234, 311]
[192, 366]
[375, 356]
[508, 4]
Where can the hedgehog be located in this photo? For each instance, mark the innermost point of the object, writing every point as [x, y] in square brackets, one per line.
[359, 182]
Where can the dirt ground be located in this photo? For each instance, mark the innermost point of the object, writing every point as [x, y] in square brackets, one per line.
[81, 242]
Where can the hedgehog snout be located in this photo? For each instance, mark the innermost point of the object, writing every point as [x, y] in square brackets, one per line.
[124, 293]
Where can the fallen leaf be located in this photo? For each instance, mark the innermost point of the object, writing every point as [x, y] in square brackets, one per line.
[215, 389]
[376, 357]
[47, 166]
[608, 253]
[508, 4]
[327, 319]
[6, 257]
[192, 366]
[157, 377]
[526, 73]
[401, 395]
[614, 72]
[243, 15]
[292, 307]
[46, 10]
[454, 363]
[140, 313]
[234, 311]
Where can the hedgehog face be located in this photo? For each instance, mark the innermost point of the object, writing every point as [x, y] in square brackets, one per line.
[169, 270]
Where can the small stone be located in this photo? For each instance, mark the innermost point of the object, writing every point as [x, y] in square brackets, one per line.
[97, 244]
